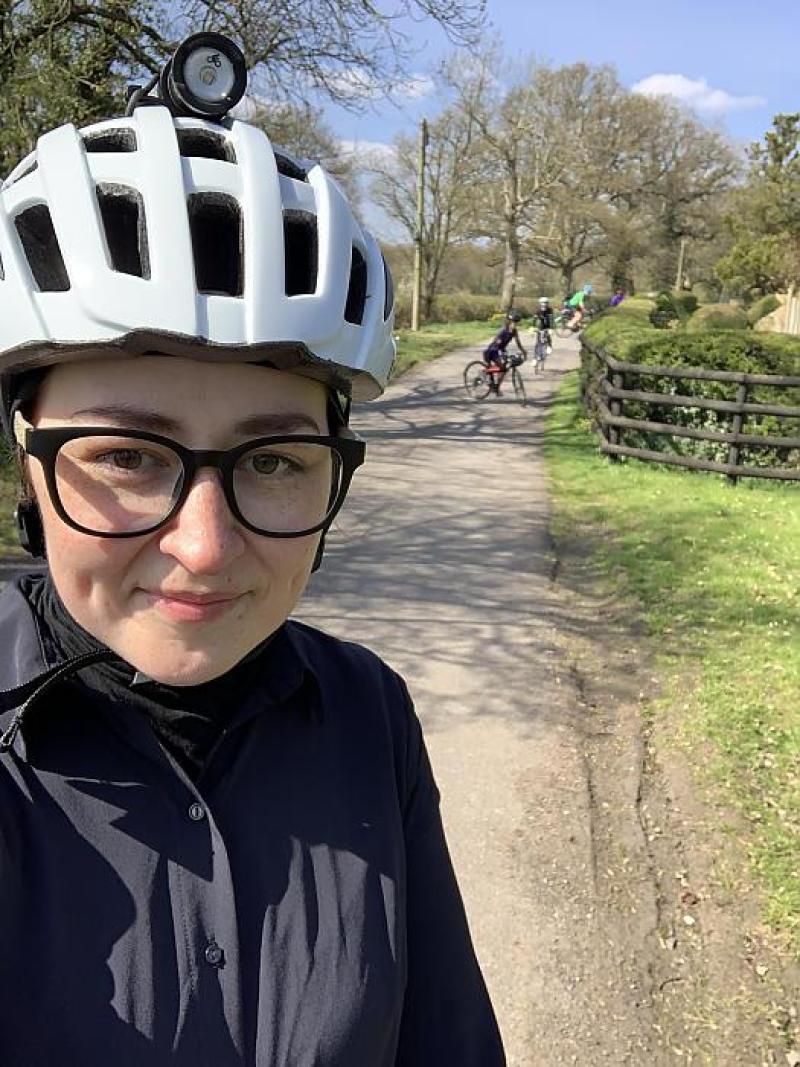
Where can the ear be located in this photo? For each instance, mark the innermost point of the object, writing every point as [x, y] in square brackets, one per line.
[29, 528]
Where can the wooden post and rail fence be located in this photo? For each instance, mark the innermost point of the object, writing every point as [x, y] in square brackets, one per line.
[608, 388]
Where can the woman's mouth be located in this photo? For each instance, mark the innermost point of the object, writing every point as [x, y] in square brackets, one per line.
[181, 606]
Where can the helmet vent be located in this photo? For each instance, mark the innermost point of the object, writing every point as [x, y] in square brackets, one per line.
[40, 245]
[119, 140]
[357, 289]
[215, 221]
[206, 145]
[289, 168]
[300, 249]
[388, 301]
[122, 211]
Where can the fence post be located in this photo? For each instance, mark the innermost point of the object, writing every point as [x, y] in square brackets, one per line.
[736, 427]
[615, 407]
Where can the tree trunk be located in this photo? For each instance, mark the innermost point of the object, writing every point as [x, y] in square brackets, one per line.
[510, 269]
[567, 273]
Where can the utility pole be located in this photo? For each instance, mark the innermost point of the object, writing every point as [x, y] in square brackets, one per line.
[417, 291]
[681, 258]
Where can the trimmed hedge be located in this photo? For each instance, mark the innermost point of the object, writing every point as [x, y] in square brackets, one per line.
[765, 306]
[632, 339]
[449, 307]
[717, 317]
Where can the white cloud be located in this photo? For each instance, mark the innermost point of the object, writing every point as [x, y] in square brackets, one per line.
[359, 84]
[416, 87]
[696, 92]
[367, 153]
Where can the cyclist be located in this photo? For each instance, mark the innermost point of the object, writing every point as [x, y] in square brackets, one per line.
[577, 305]
[543, 323]
[617, 297]
[219, 832]
[496, 352]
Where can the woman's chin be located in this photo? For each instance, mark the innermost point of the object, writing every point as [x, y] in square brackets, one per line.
[184, 668]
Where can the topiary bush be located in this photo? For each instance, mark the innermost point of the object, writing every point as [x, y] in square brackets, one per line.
[664, 314]
[717, 317]
[765, 306]
[686, 303]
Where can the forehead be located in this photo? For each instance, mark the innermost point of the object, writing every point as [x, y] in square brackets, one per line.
[178, 388]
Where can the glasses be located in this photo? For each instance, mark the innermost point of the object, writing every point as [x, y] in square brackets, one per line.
[123, 484]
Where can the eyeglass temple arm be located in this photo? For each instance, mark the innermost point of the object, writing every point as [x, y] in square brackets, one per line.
[21, 429]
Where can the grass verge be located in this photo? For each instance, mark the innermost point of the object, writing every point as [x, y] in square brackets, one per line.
[716, 570]
[435, 340]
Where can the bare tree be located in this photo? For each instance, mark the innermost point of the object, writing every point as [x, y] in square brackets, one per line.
[68, 60]
[517, 158]
[348, 50]
[301, 131]
[449, 209]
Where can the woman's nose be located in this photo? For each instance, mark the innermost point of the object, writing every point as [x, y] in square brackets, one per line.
[204, 536]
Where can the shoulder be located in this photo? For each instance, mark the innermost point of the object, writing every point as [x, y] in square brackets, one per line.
[361, 697]
[336, 662]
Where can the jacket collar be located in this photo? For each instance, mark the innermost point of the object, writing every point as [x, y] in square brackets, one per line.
[23, 665]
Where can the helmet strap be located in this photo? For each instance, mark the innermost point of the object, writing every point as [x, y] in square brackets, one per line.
[29, 528]
[315, 566]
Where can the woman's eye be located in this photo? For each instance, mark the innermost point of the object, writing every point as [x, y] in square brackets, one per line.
[271, 463]
[128, 459]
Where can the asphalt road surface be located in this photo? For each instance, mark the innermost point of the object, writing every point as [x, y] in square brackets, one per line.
[442, 563]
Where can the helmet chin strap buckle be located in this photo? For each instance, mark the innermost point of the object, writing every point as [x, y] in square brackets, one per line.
[29, 528]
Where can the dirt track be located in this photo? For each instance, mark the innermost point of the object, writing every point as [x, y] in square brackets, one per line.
[592, 911]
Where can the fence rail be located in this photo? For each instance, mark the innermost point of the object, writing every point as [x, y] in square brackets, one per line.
[606, 390]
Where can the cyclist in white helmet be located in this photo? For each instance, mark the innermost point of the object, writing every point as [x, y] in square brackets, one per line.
[219, 832]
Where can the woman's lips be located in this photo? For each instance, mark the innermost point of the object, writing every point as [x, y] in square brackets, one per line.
[193, 607]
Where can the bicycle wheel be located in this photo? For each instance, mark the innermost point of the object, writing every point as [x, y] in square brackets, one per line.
[519, 386]
[539, 356]
[563, 328]
[477, 379]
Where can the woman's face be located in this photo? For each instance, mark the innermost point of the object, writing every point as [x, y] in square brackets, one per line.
[187, 602]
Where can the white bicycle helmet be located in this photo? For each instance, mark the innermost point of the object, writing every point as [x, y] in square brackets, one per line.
[176, 235]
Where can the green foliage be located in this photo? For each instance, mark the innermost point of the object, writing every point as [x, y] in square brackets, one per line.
[461, 307]
[716, 575]
[686, 303]
[766, 220]
[665, 314]
[717, 317]
[451, 307]
[756, 262]
[763, 307]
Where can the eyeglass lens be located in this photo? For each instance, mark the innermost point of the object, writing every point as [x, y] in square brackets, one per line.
[124, 484]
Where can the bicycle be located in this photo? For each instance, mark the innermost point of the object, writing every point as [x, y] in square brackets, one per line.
[563, 320]
[541, 349]
[481, 378]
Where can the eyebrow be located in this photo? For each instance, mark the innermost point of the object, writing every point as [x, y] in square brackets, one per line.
[265, 424]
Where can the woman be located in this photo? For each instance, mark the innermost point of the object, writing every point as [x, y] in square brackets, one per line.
[219, 833]
[496, 351]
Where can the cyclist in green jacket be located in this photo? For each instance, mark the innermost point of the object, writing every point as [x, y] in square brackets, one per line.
[577, 305]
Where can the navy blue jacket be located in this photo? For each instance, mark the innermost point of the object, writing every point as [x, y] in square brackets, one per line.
[296, 907]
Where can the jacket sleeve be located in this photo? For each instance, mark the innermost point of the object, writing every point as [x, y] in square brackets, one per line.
[447, 1016]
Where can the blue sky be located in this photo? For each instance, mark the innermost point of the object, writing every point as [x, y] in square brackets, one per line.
[735, 62]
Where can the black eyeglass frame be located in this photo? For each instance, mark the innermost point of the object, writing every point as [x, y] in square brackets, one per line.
[45, 445]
